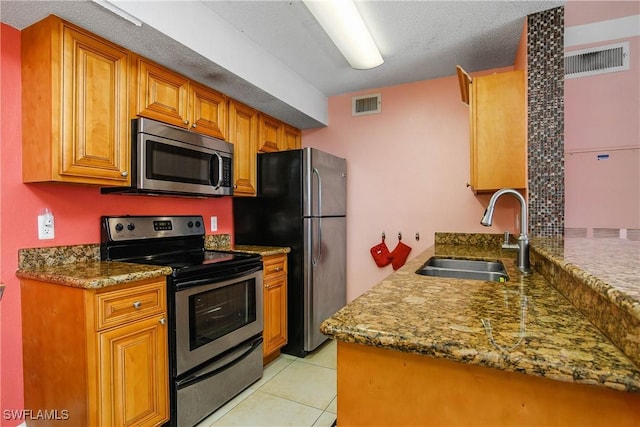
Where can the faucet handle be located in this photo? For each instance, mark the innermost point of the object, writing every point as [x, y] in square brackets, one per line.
[506, 244]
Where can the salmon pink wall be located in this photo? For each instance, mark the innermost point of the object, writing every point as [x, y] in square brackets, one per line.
[601, 118]
[77, 211]
[407, 172]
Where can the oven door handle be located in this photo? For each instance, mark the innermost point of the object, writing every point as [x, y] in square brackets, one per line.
[222, 277]
[236, 356]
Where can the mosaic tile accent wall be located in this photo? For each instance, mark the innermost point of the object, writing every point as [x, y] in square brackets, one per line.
[545, 57]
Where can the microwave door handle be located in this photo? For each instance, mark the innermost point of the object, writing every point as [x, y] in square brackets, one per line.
[219, 170]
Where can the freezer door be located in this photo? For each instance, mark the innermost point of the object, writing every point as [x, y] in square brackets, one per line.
[325, 287]
[324, 184]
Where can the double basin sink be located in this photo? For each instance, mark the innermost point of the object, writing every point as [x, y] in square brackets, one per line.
[493, 271]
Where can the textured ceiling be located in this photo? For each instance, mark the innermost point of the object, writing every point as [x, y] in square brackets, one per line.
[419, 40]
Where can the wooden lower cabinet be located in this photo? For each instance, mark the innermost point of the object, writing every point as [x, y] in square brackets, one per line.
[384, 387]
[98, 357]
[275, 306]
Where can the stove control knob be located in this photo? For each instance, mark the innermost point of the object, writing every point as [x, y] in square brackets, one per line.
[198, 224]
[190, 224]
[119, 227]
[131, 226]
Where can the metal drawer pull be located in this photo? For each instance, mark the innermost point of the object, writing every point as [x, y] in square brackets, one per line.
[277, 269]
[163, 321]
[137, 304]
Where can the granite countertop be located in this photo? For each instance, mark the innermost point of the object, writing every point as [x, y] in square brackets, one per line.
[261, 250]
[80, 265]
[93, 274]
[530, 327]
[611, 266]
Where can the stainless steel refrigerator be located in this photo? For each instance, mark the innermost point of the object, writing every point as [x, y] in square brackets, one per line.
[301, 204]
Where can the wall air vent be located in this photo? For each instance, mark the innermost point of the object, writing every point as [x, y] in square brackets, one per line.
[366, 104]
[596, 60]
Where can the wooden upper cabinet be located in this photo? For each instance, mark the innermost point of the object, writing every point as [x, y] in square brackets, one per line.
[270, 136]
[171, 98]
[275, 135]
[75, 118]
[292, 138]
[208, 111]
[497, 116]
[243, 134]
[162, 94]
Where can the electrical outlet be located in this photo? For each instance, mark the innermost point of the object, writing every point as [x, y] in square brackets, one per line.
[214, 223]
[46, 229]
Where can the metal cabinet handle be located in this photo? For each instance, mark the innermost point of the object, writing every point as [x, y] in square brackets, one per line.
[186, 122]
[277, 269]
[193, 125]
[137, 304]
[124, 173]
[162, 321]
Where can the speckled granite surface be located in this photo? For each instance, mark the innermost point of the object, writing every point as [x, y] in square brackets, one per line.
[601, 277]
[93, 275]
[533, 328]
[222, 242]
[217, 241]
[58, 255]
[80, 266]
[262, 250]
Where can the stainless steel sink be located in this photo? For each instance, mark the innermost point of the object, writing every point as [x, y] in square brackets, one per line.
[493, 271]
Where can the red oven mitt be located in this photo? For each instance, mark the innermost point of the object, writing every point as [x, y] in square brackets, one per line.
[399, 255]
[380, 254]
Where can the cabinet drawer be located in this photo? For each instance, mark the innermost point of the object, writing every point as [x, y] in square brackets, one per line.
[275, 264]
[125, 305]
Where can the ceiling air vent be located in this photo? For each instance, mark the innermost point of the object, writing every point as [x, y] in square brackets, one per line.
[366, 104]
[596, 60]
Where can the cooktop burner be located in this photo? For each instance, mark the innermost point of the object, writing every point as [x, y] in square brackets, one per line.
[174, 241]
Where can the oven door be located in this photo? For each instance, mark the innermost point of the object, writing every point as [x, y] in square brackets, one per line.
[215, 317]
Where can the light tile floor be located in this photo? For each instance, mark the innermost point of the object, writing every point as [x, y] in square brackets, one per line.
[292, 392]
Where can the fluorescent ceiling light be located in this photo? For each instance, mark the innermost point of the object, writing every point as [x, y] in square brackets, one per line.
[121, 13]
[344, 25]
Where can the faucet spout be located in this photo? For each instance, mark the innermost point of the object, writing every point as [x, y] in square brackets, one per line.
[523, 240]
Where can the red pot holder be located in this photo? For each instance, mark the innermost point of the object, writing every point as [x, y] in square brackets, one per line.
[380, 254]
[399, 255]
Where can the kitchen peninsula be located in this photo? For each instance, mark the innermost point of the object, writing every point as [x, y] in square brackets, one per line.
[418, 350]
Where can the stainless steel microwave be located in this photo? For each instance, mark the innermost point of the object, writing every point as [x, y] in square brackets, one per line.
[168, 160]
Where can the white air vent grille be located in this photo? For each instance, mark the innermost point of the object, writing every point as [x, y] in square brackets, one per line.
[366, 104]
[597, 60]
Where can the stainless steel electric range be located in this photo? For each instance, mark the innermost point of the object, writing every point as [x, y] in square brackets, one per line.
[214, 308]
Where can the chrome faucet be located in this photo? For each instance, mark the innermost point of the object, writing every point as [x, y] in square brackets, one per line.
[523, 240]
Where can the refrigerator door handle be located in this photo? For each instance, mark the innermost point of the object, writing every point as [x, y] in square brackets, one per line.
[316, 172]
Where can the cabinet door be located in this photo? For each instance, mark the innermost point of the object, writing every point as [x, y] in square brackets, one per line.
[243, 129]
[162, 95]
[134, 373]
[292, 138]
[95, 124]
[270, 136]
[498, 132]
[275, 304]
[208, 111]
